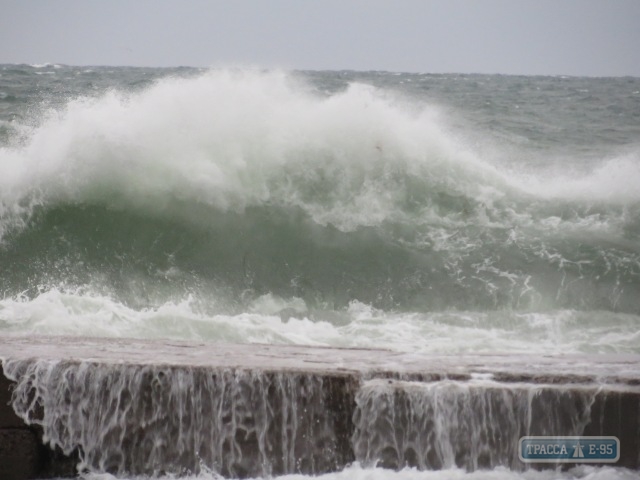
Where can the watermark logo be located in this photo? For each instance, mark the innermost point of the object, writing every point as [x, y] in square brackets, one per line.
[569, 449]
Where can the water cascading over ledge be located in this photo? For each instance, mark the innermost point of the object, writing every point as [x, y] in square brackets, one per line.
[266, 410]
[472, 424]
[160, 419]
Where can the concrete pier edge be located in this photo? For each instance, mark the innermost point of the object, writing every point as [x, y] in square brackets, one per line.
[615, 411]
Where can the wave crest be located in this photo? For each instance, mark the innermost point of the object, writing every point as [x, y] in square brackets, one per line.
[249, 181]
[230, 139]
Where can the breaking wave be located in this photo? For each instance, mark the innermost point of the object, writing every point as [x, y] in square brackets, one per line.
[234, 185]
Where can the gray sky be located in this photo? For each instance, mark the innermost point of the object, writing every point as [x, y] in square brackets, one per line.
[572, 37]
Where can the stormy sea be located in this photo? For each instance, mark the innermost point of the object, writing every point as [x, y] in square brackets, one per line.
[420, 213]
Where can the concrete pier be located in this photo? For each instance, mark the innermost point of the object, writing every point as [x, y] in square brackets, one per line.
[251, 410]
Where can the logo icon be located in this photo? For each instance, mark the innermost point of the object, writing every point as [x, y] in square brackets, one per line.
[569, 449]
[577, 452]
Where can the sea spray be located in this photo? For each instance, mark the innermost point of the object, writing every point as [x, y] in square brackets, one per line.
[275, 320]
[247, 183]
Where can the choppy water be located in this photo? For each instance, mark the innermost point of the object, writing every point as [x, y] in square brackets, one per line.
[416, 211]
[434, 213]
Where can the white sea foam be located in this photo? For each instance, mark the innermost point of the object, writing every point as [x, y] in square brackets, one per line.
[616, 180]
[357, 472]
[278, 321]
[232, 139]
[45, 65]
[228, 140]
